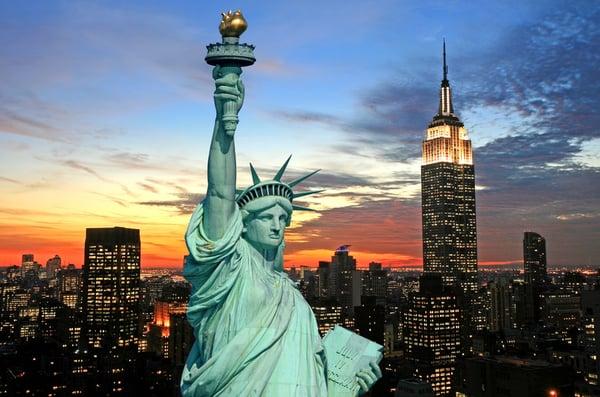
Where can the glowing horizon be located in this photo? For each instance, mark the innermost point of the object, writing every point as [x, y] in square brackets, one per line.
[107, 115]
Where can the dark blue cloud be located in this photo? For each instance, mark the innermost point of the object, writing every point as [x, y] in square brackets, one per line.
[545, 75]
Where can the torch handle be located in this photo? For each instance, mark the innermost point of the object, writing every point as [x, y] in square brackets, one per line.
[230, 118]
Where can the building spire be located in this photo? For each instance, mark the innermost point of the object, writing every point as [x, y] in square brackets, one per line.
[445, 67]
[445, 108]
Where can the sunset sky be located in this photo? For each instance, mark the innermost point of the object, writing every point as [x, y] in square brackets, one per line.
[106, 114]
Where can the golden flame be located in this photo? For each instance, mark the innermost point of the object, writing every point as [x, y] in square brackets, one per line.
[232, 24]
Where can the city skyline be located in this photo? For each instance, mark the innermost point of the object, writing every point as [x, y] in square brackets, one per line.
[107, 111]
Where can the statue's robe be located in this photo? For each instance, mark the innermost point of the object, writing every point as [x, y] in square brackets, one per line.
[255, 333]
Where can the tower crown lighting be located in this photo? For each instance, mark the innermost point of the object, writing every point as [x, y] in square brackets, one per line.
[446, 138]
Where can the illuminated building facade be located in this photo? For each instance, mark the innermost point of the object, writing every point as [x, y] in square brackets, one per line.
[562, 314]
[27, 263]
[448, 197]
[590, 302]
[432, 334]
[69, 285]
[161, 327]
[111, 286]
[327, 314]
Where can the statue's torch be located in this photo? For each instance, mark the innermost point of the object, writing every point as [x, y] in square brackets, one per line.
[230, 56]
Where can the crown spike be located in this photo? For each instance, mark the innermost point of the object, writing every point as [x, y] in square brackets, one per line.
[279, 173]
[255, 178]
[303, 178]
[301, 208]
[302, 194]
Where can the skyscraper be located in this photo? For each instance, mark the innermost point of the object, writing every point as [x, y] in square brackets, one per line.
[375, 282]
[53, 266]
[370, 319]
[27, 264]
[501, 315]
[432, 334]
[448, 196]
[69, 285]
[534, 258]
[111, 286]
[534, 261]
[344, 281]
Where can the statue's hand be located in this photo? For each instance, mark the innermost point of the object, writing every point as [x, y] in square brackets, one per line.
[367, 377]
[229, 88]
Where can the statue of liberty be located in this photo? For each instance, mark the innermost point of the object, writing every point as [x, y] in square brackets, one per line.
[255, 333]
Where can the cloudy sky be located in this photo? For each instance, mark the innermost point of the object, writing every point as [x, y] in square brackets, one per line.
[106, 115]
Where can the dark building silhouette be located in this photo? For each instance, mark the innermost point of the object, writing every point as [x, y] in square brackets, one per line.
[562, 315]
[508, 376]
[448, 197]
[370, 319]
[53, 265]
[412, 388]
[344, 281]
[534, 258]
[534, 261]
[111, 287]
[501, 315]
[591, 339]
[181, 339]
[375, 282]
[524, 303]
[322, 280]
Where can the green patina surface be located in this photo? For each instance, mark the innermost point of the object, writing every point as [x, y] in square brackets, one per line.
[255, 333]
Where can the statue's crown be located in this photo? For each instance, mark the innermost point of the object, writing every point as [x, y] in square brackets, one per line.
[274, 187]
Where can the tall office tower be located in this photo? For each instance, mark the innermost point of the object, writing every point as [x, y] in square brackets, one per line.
[111, 286]
[501, 304]
[590, 301]
[328, 314]
[53, 266]
[562, 315]
[27, 263]
[69, 285]
[573, 282]
[432, 334]
[370, 319]
[323, 280]
[534, 258]
[523, 303]
[160, 329]
[375, 282]
[448, 197]
[534, 261]
[345, 283]
[181, 339]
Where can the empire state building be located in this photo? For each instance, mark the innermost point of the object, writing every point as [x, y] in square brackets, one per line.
[448, 197]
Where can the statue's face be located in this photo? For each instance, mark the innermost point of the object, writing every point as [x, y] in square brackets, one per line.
[265, 229]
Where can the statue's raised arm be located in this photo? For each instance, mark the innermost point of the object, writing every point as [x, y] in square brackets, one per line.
[227, 58]
[220, 202]
[255, 334]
